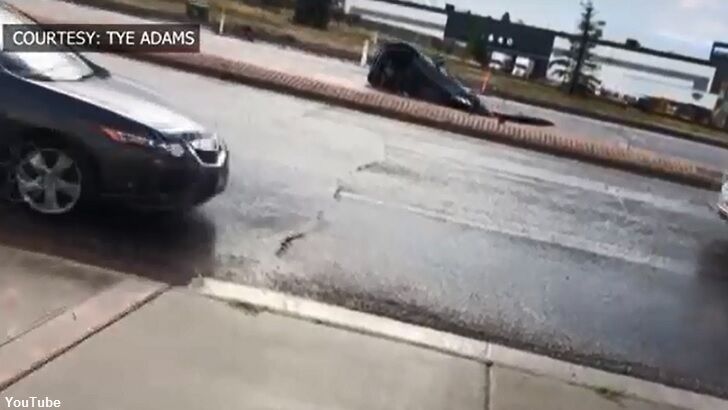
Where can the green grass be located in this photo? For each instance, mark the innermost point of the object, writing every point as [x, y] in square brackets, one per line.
[274, 22]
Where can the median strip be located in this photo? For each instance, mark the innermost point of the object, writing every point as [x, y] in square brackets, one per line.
[417, 112]
[613, 155]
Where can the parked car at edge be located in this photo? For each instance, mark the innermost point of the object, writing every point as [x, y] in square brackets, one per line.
[723, 201]
[501, 62]
[400, 68]
[71, 132]
[523, 67]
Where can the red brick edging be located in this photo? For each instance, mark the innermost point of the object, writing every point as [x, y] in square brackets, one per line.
[632, 159]
[626, 158]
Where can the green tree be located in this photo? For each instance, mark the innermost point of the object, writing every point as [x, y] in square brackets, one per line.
[477, 48]
[577, 68]
[313, 13]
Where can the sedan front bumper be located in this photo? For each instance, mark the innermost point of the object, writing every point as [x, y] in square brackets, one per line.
[175, 184]
[723, 211]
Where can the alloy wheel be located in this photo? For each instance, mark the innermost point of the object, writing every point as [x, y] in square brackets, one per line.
[49, 181]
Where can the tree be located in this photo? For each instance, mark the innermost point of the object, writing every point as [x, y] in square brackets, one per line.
[577, 68]
[313, 13]
[477, 48]
[338, 11]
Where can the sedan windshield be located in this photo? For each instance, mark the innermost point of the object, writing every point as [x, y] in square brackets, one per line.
[63, 65]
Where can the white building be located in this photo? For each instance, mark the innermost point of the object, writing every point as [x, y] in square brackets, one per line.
[641, 73]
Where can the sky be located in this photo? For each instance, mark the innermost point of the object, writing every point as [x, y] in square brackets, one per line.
[683, 26]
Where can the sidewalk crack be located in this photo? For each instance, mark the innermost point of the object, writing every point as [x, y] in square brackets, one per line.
[488, 385]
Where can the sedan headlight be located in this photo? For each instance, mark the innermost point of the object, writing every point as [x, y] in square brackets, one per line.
[464, 101]
[173, 149]
[210, 143]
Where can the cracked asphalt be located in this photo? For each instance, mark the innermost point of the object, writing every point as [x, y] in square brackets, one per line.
[594, 265]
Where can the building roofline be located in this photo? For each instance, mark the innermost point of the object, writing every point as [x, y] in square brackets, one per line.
[414, 5]
[643, 50]
[614, 44]
[640, 49]
[657, 53]
[607, 43]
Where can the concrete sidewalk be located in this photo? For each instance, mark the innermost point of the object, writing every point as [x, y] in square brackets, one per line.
[48, 305]
[184, 350]
[35, 289]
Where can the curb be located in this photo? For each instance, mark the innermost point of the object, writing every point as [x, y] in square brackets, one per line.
[636, 160]
[631, 159]
[34, 349]
[698, 138]
[484, 352]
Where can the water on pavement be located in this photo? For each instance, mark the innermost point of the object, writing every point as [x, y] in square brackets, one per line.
[584, 262]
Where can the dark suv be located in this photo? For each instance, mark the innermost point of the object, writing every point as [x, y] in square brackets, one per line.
[71, 132]
[402, 69]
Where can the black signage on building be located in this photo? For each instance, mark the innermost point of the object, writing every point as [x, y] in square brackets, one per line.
[503, 36]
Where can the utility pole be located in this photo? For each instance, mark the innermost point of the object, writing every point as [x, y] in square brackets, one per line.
[583, 47]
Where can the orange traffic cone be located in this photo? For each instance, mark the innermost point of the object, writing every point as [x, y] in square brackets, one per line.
[486, 80]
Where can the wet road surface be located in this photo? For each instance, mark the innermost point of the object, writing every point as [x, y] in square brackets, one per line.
[350, 75]
[584, 127]
[595, 265]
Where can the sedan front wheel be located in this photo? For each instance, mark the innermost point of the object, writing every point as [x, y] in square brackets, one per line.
[49, 180]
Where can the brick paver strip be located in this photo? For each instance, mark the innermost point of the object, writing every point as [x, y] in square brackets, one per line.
[627, 158]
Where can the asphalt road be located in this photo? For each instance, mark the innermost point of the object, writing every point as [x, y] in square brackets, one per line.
[591, 264]
[609, 131]
[350, 75]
